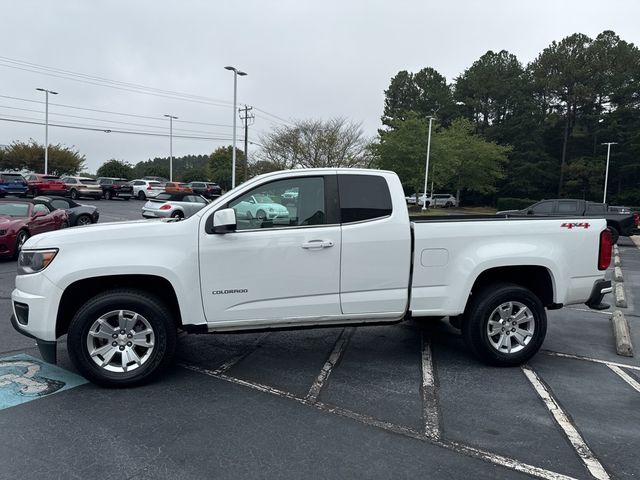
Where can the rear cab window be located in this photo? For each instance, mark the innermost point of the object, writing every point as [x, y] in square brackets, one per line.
[363, 198]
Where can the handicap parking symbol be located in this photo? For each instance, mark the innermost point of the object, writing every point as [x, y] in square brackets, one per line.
[24, 378]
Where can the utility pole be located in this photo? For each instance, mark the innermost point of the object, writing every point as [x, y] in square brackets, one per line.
[171, 119]
[46, 127]
[606, 172]
[246, 117]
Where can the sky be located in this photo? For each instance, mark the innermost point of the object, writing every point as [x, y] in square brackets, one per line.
[122, 65]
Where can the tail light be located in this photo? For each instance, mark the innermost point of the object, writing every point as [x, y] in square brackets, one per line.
[636, 219]
[149, 187]
[166, 206]
[604, 255]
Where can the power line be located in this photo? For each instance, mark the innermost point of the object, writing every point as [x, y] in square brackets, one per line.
[127, 86]
[147, 117]
[108, 130]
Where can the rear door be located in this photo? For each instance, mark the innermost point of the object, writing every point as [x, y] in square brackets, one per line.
[283, 267]
[376, 245]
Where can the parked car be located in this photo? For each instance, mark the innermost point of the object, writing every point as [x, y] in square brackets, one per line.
[411, 200]
[82, 187]
[173, 205]
[349, 254]
[619, 223]
[206, 189]
[116, 188]
[445, 200]
[21, 219]
[40, 184]
[156, 179]
[12, 183]
[78, 214]
[143, 189]
[261, 208]
[176, 187]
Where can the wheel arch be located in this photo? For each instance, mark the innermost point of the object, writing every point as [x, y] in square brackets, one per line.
[79, 292]
[536, 278]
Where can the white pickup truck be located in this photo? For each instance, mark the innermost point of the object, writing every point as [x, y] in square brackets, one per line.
[302, 248]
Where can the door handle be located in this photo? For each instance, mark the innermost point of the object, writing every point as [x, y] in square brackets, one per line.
[313, 244]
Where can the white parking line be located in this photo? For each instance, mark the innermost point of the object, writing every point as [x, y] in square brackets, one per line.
[582, 449]
[587, 359]
[626, 377]
[234, 360]
[334, 358]
[429, 398]
[589, 311]
[469, 451]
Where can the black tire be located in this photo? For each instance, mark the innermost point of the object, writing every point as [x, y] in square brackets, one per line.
[177, 214]
[615, 235]
[126, 198]
[21, 237]
[154, 312]
[65, 224]
[83, 219]
[261, 215]
[73, 194]
[141, 195]
[108, 195]
[483, 304]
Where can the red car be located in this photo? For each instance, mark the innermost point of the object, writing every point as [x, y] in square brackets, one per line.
[39, 184]
[21, 219]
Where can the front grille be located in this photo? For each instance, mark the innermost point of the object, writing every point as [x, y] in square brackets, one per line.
[22, 312]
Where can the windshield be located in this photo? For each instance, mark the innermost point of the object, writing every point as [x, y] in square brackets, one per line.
[262, 199]
[14, 209]
[12, 177]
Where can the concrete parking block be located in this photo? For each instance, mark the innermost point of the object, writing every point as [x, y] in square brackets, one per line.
[622, 334]
[616, 250]
[636, 239]
[616, 260]
[621, 299]
[617, 274]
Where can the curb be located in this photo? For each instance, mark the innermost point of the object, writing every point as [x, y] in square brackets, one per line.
[621, 299]
[622, 334]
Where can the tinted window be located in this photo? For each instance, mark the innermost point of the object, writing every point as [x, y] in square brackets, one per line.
[567, 206]
[543, 207]
[50, 177]
[197, 184]
[106, 182]
[10, 177]
[596, 207]
[88, 181]
[69, 180]
[59, 203]
[121, 182]
[363, 197]
[263, 207]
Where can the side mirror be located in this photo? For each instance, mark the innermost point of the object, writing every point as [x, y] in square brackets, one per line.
[39, 213]
[529, 212]
[224, 221]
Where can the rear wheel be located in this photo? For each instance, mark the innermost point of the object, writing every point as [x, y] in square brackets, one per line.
[73, 194]
[505, 324]
[141, 195]
[108, 195]
[614, 234]
[177, 214]
[122, 338]
[261, 215]
[83, 219]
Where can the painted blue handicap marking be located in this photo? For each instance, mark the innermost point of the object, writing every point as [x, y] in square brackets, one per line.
[24, 378]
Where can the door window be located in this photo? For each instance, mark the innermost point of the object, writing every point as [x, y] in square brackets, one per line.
[567, 206]
[59, 203]
[266, 206]
[543, 207]
[39, 207]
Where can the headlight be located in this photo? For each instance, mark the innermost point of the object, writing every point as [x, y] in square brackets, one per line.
[34, 261]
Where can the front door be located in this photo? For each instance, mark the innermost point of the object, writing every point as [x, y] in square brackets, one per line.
[283, 262]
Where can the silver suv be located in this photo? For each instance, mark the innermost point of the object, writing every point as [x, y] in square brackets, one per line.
[82, 187]
[445, 200]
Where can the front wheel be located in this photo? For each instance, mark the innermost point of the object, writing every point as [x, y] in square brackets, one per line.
[505, 324]
[83, 219]
[122, 338]
[108, 195]
[22, 237]
[141, 195]
[73, 194]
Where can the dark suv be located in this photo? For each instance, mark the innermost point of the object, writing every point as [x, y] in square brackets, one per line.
[206, 189]
[12, 183]
[116, 188]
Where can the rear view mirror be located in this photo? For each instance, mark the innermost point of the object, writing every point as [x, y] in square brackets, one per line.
[224, 221]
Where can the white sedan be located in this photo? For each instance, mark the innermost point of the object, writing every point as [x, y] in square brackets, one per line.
[260, 207]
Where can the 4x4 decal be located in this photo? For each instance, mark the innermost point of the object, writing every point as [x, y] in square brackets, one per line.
[575, 225]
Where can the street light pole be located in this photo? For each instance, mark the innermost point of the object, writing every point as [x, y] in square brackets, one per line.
[171, 119]
[426, 171]
[46, 127]
[236, 72]
[606, 171]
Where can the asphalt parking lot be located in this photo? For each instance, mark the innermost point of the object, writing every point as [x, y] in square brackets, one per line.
[398, 401]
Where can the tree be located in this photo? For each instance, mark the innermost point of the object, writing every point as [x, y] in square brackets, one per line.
[115, 168]
[30, 156]
[424, 93]
[467, 161]
[220, 162]
[314, 144]
[194, 174]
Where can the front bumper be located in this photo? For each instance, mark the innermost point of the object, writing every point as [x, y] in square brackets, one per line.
[48, 349]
